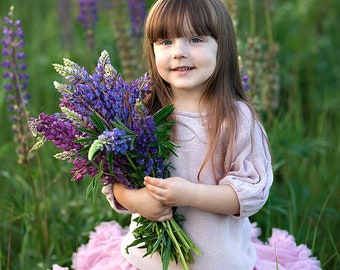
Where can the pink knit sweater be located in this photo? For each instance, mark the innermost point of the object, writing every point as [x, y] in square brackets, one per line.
[224, 240]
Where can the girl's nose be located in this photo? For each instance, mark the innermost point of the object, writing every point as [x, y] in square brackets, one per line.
[180, 48]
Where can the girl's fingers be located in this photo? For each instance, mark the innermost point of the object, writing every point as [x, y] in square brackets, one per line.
[154, 191]
[151, 182]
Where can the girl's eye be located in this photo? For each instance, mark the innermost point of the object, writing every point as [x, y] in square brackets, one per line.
[196, 40]
[165, 42]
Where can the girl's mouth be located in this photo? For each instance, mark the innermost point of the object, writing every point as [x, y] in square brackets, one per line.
[182, 68]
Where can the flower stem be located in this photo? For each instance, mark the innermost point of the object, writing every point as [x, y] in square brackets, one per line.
[174, 240]
[184, 237]
[139, 180]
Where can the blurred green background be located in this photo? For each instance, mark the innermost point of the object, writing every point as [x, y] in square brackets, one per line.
[45, 217]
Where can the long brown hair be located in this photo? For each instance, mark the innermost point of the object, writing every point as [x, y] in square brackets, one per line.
[224, 87]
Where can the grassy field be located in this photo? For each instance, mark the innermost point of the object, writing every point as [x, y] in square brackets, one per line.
[45, 217]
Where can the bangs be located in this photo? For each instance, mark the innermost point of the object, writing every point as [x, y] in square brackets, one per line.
[179, 18]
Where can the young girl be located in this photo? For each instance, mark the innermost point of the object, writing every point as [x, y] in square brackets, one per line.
[223, 169]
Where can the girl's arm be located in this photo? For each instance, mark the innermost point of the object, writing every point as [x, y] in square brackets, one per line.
[176, 191]
[141, 201]
[245, 187]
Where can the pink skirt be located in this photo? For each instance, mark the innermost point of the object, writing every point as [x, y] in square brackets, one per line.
[102, 252]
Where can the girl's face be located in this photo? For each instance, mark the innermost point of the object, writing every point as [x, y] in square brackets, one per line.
[186, 63]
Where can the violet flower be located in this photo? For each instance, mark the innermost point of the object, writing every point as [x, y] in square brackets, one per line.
[245, 82]
[116, 141]
[88, 16]
[17, 81]
[128, 23]
[59, 130]
[137, 10]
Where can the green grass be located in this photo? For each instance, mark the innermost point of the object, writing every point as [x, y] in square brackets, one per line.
[47, 217]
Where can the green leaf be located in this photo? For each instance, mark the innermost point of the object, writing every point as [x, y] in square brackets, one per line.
[93, 187]
[88, 131]
[109, 157]
[85, 140]
[84, 151]
[120, 125]
[95, 148]
[161, 115]
[98, 123]
[167, 254]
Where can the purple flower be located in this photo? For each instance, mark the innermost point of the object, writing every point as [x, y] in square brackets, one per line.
[59, 130]
[17, 82]
[245, 84]
[82, 167]
[12, 42]
[88, 14]
[137, 9]
[116, 141]
[245, 79]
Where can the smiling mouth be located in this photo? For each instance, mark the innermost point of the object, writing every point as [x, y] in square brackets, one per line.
[182, 69]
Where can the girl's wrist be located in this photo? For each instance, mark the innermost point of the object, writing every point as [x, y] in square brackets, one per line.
[121, 196]
[192, 195]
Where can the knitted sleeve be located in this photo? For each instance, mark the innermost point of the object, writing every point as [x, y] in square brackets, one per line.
[251, 174]
[107, 190]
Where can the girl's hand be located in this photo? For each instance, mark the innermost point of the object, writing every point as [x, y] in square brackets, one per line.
[176, 191]
[173, 191]
[142, 202]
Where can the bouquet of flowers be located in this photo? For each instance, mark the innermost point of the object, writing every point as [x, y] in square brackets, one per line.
[106, 131]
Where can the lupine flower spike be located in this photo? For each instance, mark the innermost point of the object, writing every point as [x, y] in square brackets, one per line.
[128, 22]
[88, 16]
[17, 80]
[137, 10]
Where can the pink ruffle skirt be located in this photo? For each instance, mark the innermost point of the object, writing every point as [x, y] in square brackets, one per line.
[102, 252]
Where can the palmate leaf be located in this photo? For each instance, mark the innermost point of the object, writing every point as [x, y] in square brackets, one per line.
[164, 147]
[163, 114]
[89, 131]
[164, 131]
[120, 125]
[98, 122]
